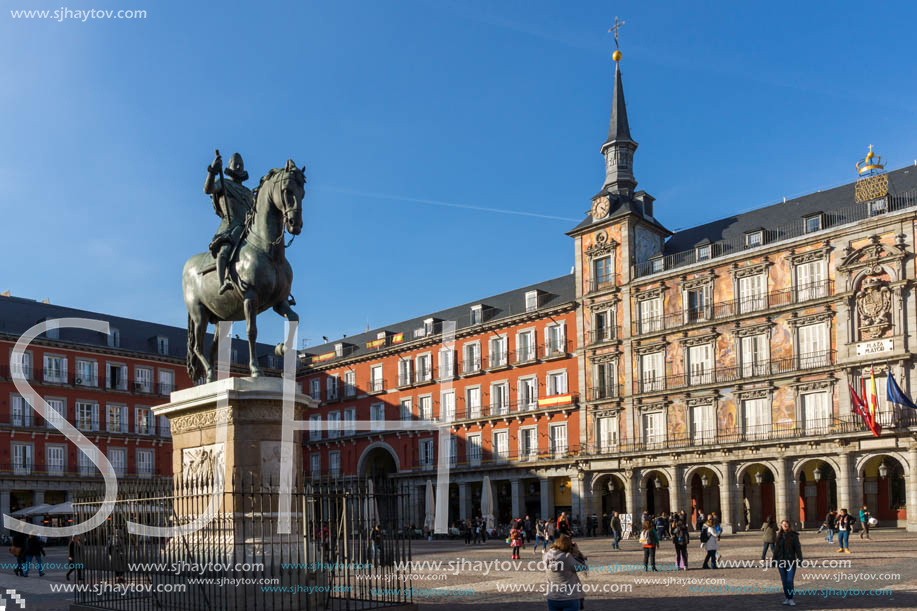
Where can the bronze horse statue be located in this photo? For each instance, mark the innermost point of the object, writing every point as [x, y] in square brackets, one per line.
[261, 274]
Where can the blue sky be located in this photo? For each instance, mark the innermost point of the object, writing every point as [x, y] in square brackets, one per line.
[108, 127]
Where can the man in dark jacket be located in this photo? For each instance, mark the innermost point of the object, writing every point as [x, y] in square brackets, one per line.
[829, 525]
[616, 530]
[34, 550]
[19, 541]
[787, 555]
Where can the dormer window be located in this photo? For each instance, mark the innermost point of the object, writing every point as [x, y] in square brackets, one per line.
[477, 314]
[114, 338]
[656, 264]
[339, 349]
[813, 222]
[162, 345]
[531, 301]
[428, 326]
[53, 331]
[754, 238]
[703, 252]
[877, 207]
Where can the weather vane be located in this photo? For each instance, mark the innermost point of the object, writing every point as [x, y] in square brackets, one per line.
[614, 29]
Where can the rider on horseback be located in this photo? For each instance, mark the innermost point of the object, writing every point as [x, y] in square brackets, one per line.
[231, 201]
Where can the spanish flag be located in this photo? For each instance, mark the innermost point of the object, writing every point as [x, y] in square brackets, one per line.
[874, 394]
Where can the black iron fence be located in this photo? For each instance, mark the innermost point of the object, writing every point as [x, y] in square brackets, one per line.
[333, 556]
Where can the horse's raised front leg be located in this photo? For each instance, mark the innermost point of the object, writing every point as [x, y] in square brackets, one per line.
[251, 314]
[283, 308]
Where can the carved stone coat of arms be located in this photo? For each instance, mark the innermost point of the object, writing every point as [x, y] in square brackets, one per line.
[874, 301]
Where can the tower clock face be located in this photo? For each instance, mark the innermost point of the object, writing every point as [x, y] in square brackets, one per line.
[600, 209]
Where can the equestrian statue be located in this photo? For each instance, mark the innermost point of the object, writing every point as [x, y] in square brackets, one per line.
[245, 271]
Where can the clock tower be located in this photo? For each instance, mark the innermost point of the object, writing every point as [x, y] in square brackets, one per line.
[619, 148]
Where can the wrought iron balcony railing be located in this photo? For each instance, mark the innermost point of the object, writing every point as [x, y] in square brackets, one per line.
[603, 282]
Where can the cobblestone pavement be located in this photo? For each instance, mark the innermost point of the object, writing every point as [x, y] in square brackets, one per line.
[887, 563]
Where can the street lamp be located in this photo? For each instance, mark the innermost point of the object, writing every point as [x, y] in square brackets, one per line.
[883, 470]
[759, 478]
[704, 480]
[817, 474]
[657, 483]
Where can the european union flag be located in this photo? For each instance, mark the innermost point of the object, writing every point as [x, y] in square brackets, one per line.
[896, 395]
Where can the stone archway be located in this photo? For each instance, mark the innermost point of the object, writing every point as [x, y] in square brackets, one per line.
[654, 486]
[884, 488]
[816, 480]
[609, 494]
[759, 501]
[378, 460]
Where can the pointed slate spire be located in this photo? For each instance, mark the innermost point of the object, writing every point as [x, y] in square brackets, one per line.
[619, 148]
[619, 128]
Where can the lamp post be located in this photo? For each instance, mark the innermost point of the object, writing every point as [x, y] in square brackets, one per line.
[759, 478]
[883, 470]
[817, 474]
[704, 480]
[657, 482]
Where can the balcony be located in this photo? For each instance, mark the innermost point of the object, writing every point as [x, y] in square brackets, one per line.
[603, 282]
[606, 334]
[471, 365]
[424, 375]
[721, 375]
[603, 392]
[497, 410]
[727, 309]
[525, 354]
[143, 387]
[483, 458]
[84, 379]
[32, 469]
[376, 386]
[556, 349]
[496, 361]
[404, 379]
[166, 388]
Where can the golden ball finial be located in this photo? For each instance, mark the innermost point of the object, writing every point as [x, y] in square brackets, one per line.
[616, 56]
[870, 155]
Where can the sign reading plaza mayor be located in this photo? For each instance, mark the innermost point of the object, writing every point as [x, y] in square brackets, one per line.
[875, 347]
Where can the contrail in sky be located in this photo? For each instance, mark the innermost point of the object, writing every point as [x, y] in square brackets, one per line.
[435, 202]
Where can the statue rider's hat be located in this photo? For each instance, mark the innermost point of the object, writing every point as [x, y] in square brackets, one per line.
[235, 169]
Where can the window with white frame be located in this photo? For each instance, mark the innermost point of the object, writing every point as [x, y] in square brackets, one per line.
[404, 372]
[473, 449]
[525, 346]
[425, 407]
[165, 430]
[752, 293]
[23, 458]
[166, 381]
[754, 238]
[699, 303]
[424, 367]
[143, 379]
[651, 315]
[334, 463]
[315, 465]
[602, 326]
[350, 417]
[754, 355]
[143, 420]
[653, 428]
[350, 383]
[453, 450]
[813, 345]
[813, 223]
[446, 363]
[55, 369]
[118, 459]
[555, 340]
[528, 443]
[604, 379]
[114, 338]
[315, 427]
[59, 407]
[700, 363]
[878, 206]
[145, 462]
[162, 345]
[87, 373]
[315, 388]
[528, 393]
[87, 416]
[816, 411]
[53, 329]
[756, 418]
[499, 398]
[334, 424]
[607, 433]
[557, 383]
[84, 462]
[428, 326]
[810, 280]
[376, 381]
[116, 418]
[703, 423]
[116, 376]
[531, 301]
[331, 387]
[425, 452]
[20, 411]
[653, 371]
[498, 351]
[471, 357]
[559, 440]
[407, 414]
[55, 459]
[501, 444]
[477, 314]
[21, 365]
[447, 405]
[473, 401]
[377, 416]
[601, 272]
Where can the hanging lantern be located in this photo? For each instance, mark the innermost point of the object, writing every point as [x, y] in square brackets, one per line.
[704, 480]
[658, 483]
[817, 474]
[759, 478]
[883, 470]
[611, 485]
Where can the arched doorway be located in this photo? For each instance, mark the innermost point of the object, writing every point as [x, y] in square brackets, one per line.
[378, 462]
[704, 484]
[817, 492]
[758, 496]
[884, 490]
[610, 496]
[656, 492]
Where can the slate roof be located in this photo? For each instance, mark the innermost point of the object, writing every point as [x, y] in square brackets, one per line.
[554, 292]
[785, 213]
[620, 205]
[618, 129]
[17, 315]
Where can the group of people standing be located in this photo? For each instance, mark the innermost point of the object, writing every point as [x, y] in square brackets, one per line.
[674, 527]
[842, 523]
[27, 549]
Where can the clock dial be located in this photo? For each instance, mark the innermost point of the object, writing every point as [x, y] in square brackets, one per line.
[600, 210]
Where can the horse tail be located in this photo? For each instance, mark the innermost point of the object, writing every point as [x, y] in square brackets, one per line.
[192, 362]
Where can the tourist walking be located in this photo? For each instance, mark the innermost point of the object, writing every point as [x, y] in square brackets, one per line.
[529, 530]
[681, 538]
[709, 543]
[770, 537]
[117, 556]
[563, 525]
[829, 525]
[787, 555]
[844, 525]
[468, 528]
[34, 550]
[75, 557]
[564, 590]
[616, 530]
[662, 523]
[650, 541]
[865, 517]
[541, 537]
[18, 550]
[516, 538]
[699, 520]
[550, 530]
[376, 541]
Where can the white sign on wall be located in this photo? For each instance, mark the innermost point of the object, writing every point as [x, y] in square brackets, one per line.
[875, 347]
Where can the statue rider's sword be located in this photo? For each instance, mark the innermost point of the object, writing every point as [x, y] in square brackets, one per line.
[223, 185]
